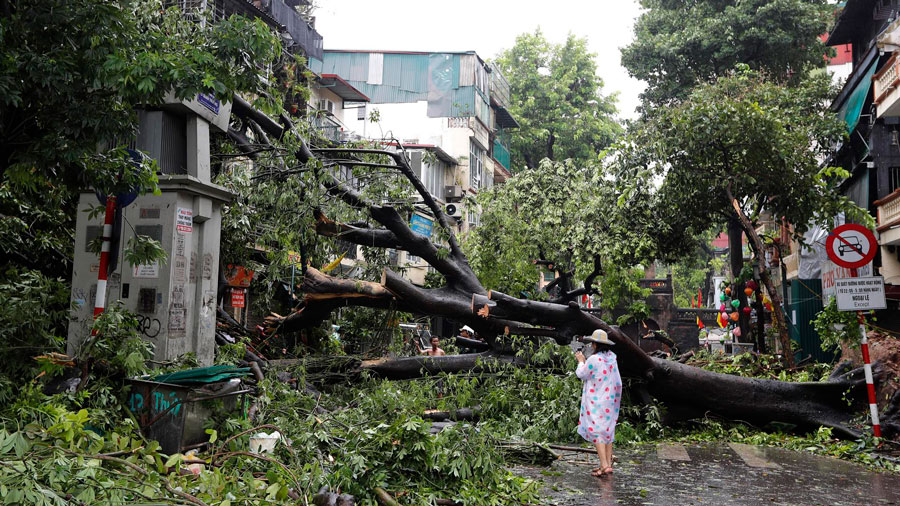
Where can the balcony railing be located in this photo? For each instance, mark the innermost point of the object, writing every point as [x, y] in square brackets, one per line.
[889, 211]
[792, 266]
[303, 34]
[887, 94]
[501, 154]
[499, 87]
[275, 13]
[330, 128]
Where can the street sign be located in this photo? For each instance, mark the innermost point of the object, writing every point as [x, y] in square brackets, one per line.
[851, 245]
[860, 294]
[831, 272]
[421, 225]
[237, 297]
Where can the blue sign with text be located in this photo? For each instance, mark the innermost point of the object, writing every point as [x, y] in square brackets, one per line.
[209, 101]
[421, 225]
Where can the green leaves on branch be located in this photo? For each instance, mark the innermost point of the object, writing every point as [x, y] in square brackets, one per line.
[837, 327]
[679, 45]
[746, 135]
[558, 101]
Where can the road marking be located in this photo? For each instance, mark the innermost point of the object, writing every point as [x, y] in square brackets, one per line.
[672, 452]
[752, 456]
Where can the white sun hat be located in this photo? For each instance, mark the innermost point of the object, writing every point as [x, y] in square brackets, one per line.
[599, 336]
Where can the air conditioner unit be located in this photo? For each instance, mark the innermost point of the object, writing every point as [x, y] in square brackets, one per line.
[453, 192]
[326, 105]
[454, 211]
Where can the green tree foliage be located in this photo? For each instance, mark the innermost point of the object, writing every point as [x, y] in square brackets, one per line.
[680, 44]
[758, 141]
[561, 213]
[71, 75]
[558, 101]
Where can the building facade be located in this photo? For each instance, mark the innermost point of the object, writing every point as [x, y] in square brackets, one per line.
[449, 111]
[869, 104]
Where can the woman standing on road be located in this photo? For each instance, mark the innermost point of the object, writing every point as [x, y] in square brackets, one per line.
[600, 397]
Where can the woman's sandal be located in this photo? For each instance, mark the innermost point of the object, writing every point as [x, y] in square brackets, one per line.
[606, 471]
[597, 472]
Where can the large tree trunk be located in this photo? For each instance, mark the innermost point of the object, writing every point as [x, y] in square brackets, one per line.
[414, 367]
[495, 315]
[736, 252]
[777, 313]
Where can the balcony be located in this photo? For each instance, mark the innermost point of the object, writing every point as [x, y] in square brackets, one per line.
[889, 219]
[499, 87]
[303, 36]
[889, 237]
[329, 127]
[792, 266]
[887, 93]
[501, 153]
[279, 14]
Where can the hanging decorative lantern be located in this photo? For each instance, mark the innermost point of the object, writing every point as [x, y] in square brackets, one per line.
[752, 284]
[735, 316]
[748, 291]
[722, 297]
[728, 290]
[747, 310]
[735, 303]
[736, 332]
[724, 316]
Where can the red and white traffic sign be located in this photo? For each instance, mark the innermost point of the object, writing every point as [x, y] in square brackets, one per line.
[851, 245]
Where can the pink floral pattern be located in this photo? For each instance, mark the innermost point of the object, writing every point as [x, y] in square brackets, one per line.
[600, 397]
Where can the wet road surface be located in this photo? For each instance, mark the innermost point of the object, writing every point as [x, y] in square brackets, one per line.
[714, 474]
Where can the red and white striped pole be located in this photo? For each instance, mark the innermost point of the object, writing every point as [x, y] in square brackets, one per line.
[100, 299]
[867, 367]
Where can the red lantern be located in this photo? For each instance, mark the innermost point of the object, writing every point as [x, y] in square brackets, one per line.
[747, 310]
[753, 284]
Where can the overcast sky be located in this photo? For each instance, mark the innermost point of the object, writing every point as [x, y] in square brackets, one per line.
[487, 27]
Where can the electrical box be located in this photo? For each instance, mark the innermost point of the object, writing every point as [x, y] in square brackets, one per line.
[175, 298]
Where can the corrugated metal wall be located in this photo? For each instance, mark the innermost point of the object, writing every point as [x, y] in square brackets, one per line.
[445, 80]
[806, 302]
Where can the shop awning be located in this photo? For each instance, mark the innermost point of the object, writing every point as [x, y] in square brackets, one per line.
[341, 88]
[850, 101]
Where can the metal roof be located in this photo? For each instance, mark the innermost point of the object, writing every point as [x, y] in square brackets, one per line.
[438, 151]
[505, 119]
[341, 88]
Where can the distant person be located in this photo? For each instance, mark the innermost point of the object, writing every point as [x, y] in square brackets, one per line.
[434, 351]
[467, 333]
[600, 397]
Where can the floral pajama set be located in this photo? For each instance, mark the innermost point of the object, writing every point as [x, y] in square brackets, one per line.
[600, 398]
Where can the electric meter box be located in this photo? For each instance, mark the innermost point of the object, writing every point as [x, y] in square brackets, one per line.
[175, 298]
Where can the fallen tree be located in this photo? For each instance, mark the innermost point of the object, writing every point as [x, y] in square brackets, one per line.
[687, 391]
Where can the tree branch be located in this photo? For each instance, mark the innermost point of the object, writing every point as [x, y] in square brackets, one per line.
[364, 236]
[403, 166]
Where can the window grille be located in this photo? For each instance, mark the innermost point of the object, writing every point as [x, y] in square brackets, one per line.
[476, 167]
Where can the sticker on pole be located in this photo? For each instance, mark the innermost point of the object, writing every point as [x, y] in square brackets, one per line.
[184, 220]
[860, 294]
[851, 245]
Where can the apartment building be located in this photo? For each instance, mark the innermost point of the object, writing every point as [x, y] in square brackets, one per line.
[449, 110]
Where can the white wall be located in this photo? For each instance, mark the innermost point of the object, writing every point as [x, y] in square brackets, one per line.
[324, 93]
[840, 73]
